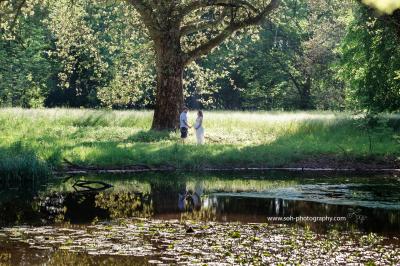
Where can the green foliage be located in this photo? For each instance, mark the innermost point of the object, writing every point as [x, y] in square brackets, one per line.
[105, 54]
[287, 63]
[370, 63]
[85, 53]
[25, 68]
[99, 54]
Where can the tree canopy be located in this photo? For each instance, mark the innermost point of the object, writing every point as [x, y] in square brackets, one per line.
[302, 54]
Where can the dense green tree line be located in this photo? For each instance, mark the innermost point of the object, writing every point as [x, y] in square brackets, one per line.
[371, 61]
[310, 54]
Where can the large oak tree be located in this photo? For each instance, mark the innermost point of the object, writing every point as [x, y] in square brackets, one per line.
[169, 22]
[181, 31]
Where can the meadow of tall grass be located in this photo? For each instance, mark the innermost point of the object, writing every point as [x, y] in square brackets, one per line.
[36, 141]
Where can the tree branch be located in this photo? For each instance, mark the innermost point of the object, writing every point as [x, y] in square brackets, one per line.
[291, 77]
[231, 28]
[145, 11]
[15, 12]
[203, 25]
[194, 5]
[18, 12]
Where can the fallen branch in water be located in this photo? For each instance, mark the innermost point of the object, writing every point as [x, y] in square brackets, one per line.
[87, 187]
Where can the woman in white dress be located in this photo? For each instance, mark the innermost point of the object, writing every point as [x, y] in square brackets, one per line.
[199, 128]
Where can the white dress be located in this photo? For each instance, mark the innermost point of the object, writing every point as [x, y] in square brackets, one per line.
[199, 130]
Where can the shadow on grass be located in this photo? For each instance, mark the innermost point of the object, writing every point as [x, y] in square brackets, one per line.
[101, 118]
[94, 119]
[151, 136]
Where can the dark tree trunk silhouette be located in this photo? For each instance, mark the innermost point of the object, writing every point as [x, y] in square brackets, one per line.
[169, 94]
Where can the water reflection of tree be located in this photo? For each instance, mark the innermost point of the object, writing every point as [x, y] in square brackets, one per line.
[17, 206]
[158, 196]
[125, 204]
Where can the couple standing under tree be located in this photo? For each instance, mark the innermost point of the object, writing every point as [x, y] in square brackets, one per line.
[198, 126]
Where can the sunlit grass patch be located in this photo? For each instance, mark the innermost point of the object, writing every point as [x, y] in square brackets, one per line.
[118, 138]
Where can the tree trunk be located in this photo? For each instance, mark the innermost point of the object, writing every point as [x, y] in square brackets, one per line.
[169, 94]
[305, 95]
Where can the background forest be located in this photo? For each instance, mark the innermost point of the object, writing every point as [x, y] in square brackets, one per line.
[311, 55]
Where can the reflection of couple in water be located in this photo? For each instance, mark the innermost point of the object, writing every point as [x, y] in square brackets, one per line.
[190, 200]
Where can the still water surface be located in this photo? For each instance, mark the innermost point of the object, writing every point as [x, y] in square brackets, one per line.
[368, 203]
[227, 197]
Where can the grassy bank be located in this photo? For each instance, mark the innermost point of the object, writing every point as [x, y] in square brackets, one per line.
[33, 138]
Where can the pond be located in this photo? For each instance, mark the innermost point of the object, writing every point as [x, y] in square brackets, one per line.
[234, 218]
